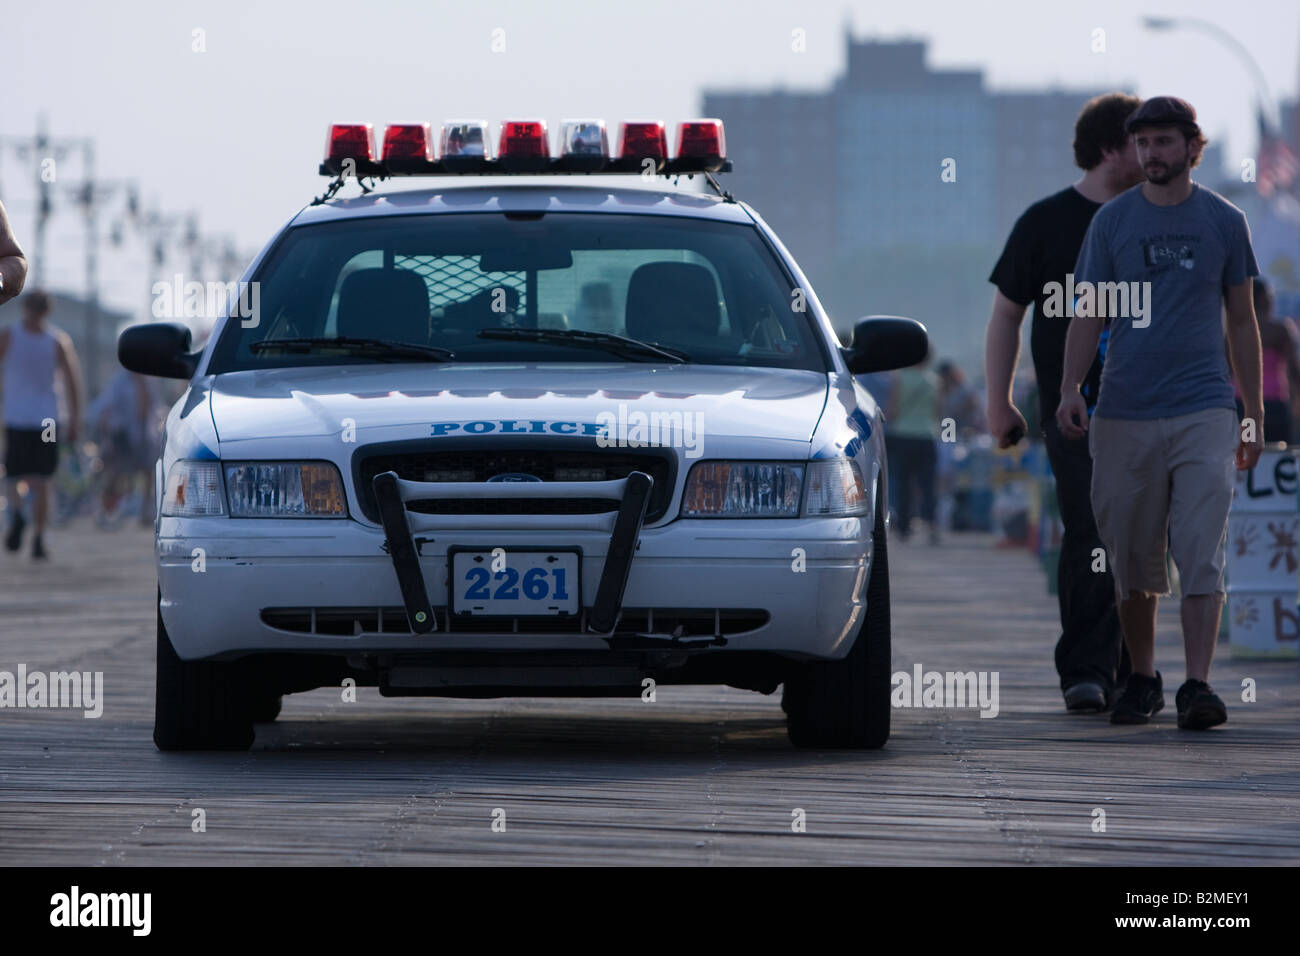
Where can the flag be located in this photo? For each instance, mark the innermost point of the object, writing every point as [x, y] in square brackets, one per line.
[1277, 167]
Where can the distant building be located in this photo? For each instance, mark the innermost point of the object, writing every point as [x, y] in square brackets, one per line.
[852, 180]
[783, 146]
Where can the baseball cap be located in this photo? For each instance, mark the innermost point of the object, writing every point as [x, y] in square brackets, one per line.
[1163, 111]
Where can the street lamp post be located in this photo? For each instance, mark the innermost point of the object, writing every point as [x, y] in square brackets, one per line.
[1263, 98]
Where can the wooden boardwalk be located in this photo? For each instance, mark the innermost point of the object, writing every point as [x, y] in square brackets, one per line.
[704, 775]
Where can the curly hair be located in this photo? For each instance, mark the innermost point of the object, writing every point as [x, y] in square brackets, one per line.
[1100, 127]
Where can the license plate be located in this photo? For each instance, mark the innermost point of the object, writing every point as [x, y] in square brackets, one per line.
[514, 583]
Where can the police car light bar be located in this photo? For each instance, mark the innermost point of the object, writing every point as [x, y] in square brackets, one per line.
[464, 147]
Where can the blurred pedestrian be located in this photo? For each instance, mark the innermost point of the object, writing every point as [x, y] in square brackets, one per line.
[1091, 660]
[961, 416]
[32, 353]
[125, 419]
[959, 400]
[911, 430]
[1280, 347]
[1165, 429]
[13, 264]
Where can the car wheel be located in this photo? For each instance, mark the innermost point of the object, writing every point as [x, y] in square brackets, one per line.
[200, 705]
[846, 703]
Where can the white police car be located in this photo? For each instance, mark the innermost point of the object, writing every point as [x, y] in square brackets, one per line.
[508, 438]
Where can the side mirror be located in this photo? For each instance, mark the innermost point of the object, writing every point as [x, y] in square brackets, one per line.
[884, 342]
[158, 348]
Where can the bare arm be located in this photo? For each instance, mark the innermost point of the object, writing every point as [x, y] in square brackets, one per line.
[1002, 347]
[1244, 354]
[1001, 355]
[1080, 348]
[13, 264]
[67, 358]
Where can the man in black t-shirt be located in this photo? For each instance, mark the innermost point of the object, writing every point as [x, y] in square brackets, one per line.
[1042, 249]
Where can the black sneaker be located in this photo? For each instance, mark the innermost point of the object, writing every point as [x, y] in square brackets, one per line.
[1199, 707]
[1143, 696]
[38, 549]
[14, 539]
[1085, 697]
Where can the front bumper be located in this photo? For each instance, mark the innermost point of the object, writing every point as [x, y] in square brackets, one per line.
[217, 576]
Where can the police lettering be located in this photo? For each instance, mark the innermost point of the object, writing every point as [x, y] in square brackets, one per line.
[514, 426]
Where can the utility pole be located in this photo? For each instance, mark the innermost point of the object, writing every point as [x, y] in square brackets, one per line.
[156, 230]
[91, 194]
[46, 153]
[92, 272]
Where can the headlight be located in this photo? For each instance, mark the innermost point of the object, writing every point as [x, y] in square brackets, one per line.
[193, 490]
[835, 489]
[285, 489]
[743, 489]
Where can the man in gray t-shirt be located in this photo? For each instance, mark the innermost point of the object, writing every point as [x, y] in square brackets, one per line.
[1158, 265]
[1175, 264]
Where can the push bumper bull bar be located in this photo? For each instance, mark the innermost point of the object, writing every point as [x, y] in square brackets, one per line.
[624, 526]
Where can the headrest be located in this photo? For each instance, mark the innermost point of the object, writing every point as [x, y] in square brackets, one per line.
[669, 301]
[389, 304]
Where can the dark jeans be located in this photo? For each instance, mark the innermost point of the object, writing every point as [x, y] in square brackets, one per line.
[1091, 647]
[912, 464]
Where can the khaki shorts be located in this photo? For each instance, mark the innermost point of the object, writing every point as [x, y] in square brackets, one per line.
[1164, 480]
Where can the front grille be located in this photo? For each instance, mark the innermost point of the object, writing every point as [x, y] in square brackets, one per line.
[595, 464]
[351, 621]
[513, 506]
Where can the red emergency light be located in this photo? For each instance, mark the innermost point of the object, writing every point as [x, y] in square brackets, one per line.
[701, 141]
[355, 141]
[407, 143]
[523, 147]
[639, 141]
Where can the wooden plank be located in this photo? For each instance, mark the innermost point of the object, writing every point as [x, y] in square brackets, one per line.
[703, 775]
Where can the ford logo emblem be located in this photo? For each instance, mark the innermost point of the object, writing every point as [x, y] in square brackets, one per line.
[514, 476]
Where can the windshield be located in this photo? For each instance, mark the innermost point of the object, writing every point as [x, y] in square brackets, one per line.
[706, 292]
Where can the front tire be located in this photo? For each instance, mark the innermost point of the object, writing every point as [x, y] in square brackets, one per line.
[845, 704]
[199, 705]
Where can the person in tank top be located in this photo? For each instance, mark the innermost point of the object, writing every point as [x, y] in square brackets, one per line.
[32, 353]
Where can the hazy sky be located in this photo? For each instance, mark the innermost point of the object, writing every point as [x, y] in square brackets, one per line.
[236, 132]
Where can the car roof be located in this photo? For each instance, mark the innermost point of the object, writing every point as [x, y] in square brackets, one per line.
[503, 195]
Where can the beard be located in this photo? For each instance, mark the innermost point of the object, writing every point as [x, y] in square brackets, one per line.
[1159, 174]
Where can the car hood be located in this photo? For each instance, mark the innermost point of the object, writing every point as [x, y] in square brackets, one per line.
[296, 402]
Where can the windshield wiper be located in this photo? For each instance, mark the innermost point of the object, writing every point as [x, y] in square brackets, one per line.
[584, 338]
[379, 348]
